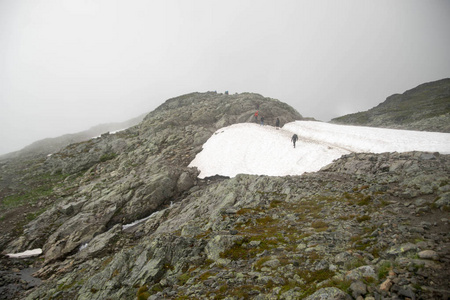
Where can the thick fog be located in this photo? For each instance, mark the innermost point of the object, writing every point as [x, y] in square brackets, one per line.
[67, 65]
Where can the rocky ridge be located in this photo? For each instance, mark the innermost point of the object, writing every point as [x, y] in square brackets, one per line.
[367, 226]
[425, 108]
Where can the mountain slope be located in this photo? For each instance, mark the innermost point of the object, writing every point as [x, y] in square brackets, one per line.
[426, 108]
[364, 220]
[122, 177]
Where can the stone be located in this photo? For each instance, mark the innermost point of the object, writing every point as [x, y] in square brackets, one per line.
[361, 273]
[402, 249]
[428, 254]
[386, 285]
[330, 293]
[358, 288]
[443, 200]
[273, 263]
[219, 244]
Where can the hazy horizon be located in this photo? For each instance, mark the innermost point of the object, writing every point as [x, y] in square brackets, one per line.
[66, 66]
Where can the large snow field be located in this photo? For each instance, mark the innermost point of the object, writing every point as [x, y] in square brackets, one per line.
[250, 148]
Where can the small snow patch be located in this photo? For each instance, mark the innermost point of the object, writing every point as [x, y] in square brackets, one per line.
[136, 222]
[83, 246]
[28, 253]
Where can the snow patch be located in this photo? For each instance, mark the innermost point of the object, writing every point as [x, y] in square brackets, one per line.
[249, 148]
[110, 132]
[27, 253]
[83, 246]
[136, 222]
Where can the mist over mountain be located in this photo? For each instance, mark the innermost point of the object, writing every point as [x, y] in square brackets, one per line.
[425, 107]
[123, 216]
[51, 145]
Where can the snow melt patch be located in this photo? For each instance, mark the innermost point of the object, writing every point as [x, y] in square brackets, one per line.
[83, 246]
[136, 222]
[263, 150]
[27, 253]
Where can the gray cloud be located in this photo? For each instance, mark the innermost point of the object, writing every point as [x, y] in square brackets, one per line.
[68, 65]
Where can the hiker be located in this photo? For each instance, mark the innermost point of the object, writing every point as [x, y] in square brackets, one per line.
[294, 139]
[262, 120]
[256, 116]
[277, 123]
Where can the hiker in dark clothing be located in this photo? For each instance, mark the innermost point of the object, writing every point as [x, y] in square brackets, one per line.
[294, 139]
[277, 123]
[262, 120]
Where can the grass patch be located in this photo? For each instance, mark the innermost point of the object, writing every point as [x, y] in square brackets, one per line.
[384, 269]
[183, 278]
[33, 215]
[364, 201]
[275, 203]
[319, 225]
[40, 186]
[108, 156]
[363, 218]
[142, 293]
[258, 264]
[205, 275]
[346, 217]
[27, 197]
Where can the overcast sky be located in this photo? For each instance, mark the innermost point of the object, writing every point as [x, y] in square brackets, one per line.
[67, 65]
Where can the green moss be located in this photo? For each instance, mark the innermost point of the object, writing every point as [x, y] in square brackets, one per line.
[363, 218]
[143, 296]
[235, 253]
[355, 264]
[383, 269]
[156, 288]
[33, 215]
[319, 225]
[343, 285]
[364, 201]
[108, 156]
[275, 203]
[205, 275]
[258, 264]
[346, 217]
[183, 278]
[168, 266]
[142, 293]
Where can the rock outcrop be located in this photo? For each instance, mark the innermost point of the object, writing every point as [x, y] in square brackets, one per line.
[425, 108]
[120, 178]
[367, 226]
[336, 233]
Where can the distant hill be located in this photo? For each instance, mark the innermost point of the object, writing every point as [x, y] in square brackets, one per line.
[425, 108]
[51, 145]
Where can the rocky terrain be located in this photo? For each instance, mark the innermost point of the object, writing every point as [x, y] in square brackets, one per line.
[424, 108]
[368, 226]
